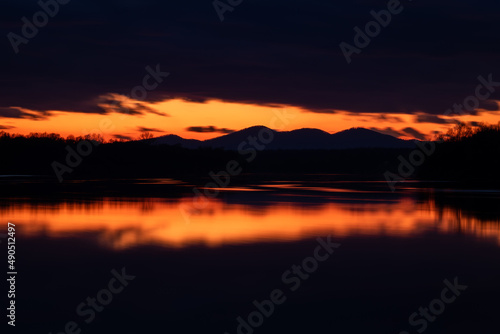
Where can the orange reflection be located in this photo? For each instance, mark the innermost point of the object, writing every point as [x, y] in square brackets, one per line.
[122, 224]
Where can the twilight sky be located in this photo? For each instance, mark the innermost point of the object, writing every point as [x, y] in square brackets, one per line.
[77, 73]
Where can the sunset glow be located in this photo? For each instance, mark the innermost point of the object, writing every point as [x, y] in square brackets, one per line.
[182, 114]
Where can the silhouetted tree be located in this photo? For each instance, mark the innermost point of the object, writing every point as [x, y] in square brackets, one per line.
[467, 153]
[146, 135]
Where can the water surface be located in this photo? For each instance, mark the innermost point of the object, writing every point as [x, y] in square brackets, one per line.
[200, 264]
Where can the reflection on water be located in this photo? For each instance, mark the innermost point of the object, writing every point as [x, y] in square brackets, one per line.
[121, 223]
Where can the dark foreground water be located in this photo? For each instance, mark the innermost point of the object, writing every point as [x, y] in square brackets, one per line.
[250, 261]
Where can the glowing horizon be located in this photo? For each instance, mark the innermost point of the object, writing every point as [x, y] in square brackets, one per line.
[175, 116]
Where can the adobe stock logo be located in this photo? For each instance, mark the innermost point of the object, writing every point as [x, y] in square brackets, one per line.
[222, 7]
[40, 19]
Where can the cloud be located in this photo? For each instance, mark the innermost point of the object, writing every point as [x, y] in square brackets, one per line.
[6, 127]
[388, 118]
[210, 128]
[123, 105]
[144, 129]
[290, 55]
[408, 131]
[388, 131]
[122, 137]
[18, 112]
[426, 118]
[414, 133]
[195, 99]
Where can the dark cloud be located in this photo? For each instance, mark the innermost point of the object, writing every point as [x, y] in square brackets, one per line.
[6, 127]
[144, 129]
[123, 105]
[265, 52]
[414, 132]
[426, 118]
[16, 112]
[122, 137]
[387, 118]
[196, 99]
[408, 131]
[210, 128]
[388, 131]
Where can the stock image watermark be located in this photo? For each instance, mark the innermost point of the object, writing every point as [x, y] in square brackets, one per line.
[293, 279]
[363, 38]
[87, 309]
[221, 7]
[11, 273]
[436, 306]
[417, 157]
[84, 148]
[30, 28]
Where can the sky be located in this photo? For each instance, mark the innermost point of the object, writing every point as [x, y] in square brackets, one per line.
[121, 68]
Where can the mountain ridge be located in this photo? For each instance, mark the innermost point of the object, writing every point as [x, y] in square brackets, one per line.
[298, 139]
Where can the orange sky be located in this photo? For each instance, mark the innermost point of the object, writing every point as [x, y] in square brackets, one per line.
[183, 114]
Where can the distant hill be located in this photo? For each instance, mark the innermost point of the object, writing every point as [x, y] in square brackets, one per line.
[301, 139]
[176, 140]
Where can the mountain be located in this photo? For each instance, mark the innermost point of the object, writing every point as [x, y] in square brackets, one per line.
[364, 138]
[233, 140]
[301, 139]
[176, 140]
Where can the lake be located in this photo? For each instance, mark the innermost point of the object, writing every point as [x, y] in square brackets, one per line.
[294, 256]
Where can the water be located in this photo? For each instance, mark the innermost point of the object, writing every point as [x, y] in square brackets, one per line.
[199, 265]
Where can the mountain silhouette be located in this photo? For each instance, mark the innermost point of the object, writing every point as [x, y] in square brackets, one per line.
[301, 139]
[176, 140]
